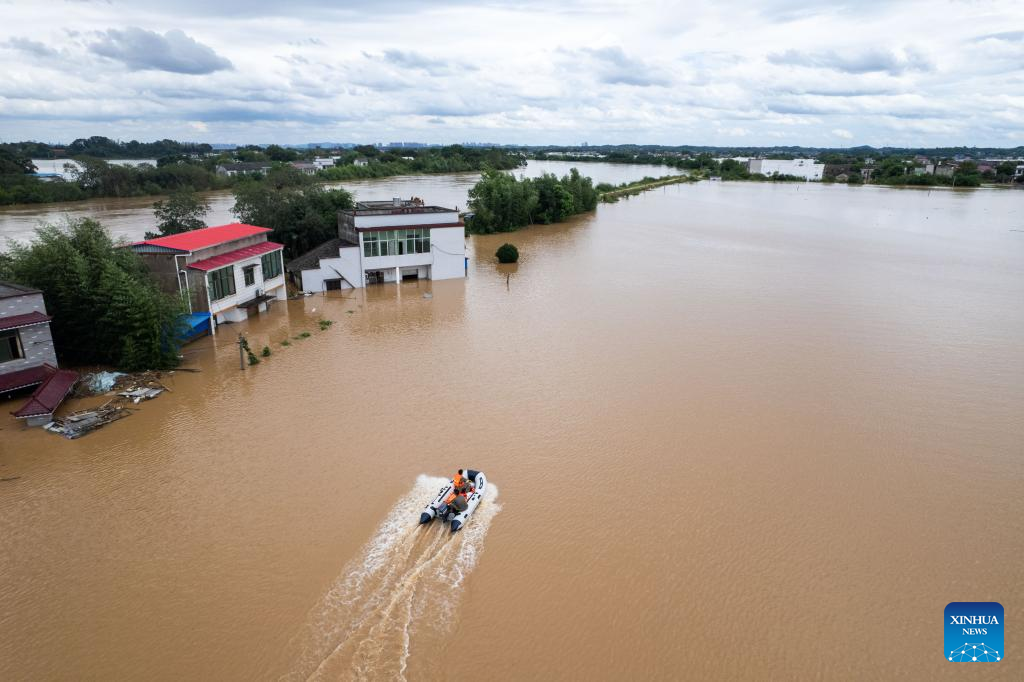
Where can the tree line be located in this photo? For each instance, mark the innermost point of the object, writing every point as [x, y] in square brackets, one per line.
[195, 166]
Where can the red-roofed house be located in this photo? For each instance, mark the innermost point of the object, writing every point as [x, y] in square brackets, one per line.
[227, 270]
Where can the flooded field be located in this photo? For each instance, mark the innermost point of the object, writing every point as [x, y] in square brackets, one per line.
[740, 431]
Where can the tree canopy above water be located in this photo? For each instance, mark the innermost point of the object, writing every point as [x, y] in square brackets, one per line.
[502, 203]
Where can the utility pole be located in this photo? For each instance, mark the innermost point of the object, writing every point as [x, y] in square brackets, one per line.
[241, 352]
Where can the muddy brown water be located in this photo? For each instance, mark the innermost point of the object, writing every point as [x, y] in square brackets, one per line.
[131, 217]
[739, 432]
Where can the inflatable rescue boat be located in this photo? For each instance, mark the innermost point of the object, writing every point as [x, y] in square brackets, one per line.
[458, 511]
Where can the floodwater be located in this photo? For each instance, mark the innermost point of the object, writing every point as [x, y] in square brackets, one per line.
[740, 431]
[132, 217]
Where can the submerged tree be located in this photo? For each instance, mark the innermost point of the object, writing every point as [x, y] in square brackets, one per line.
[501, 203]
[106, 308]
[182, 211]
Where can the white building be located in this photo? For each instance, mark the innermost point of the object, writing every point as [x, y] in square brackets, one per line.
[386, 241]
[808, 169]
[227, 271]
[305, 167]
[361, 162]
[322, 162]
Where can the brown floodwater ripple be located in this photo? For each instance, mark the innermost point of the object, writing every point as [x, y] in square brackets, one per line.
[740, 431]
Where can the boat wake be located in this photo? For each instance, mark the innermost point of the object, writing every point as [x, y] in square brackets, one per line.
[401, 589]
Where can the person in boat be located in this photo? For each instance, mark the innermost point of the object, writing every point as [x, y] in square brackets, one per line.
[457, 500]
[460, 481]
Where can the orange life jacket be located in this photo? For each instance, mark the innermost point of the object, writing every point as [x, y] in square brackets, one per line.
[459, 480]
[451, 497]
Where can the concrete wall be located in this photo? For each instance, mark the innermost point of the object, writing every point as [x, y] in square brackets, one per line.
[36, 341]
[406, 219]
[347, 263]
[244, 293]
[448, 246]
[805, 168]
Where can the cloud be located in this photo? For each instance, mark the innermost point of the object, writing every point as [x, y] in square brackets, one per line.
[612, 66]
[31, 47]
[140, 50]
[856, 61]
[843, 133]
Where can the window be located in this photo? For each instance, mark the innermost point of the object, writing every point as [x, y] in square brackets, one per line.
[396, 242]
[271, 263]
[249, 274]
[222, 283]
[10, 346]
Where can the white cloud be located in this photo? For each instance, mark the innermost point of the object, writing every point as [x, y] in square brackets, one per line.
[707, 72]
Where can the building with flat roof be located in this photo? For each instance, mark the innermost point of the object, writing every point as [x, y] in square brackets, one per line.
[227, 271]
[385, 241]
[808, 169]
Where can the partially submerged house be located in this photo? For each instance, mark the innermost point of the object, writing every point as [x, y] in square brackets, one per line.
[385, 241]
[27, 356]
[225, 273]
[243, 167]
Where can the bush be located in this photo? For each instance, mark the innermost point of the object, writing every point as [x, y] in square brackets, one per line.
[266, 351]
[507, 253]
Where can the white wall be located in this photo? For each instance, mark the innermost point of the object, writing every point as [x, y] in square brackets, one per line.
[804, 168]
[448, 246]
[406, 219]
[347, 263]
[244, 293]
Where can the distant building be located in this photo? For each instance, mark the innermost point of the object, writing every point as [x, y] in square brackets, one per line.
[231, 169]
[1018, 172]
[27, 356]
[945, 170]
[361, 162]
[322, 162]
[305, 167]
[385, 241]
[865, 174]
[808, 169]
[226, 272]
[842, 177]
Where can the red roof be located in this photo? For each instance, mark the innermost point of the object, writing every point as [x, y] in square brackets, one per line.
[48, 397]
[26, 320]
[209, 236]
[24, 377]
[235, 256]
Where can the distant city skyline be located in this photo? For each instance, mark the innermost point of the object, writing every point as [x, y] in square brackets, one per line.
[750, 73]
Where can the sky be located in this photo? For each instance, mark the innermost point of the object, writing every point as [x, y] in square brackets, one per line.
[764, 72]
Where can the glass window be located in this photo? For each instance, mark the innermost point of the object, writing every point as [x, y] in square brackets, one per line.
[271, 263]
[249, 273]
[10, 346]
[222, 283]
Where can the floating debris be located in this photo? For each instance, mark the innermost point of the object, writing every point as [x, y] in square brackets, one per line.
[77, 424]
[100, 382]
[140, 394]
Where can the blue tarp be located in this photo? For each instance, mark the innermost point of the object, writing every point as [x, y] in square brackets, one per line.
[196, 324]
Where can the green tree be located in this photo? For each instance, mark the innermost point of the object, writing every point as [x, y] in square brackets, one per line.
[15, 163]
[507, 253]
[106, 308]
[301, 213]
[182, 211]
